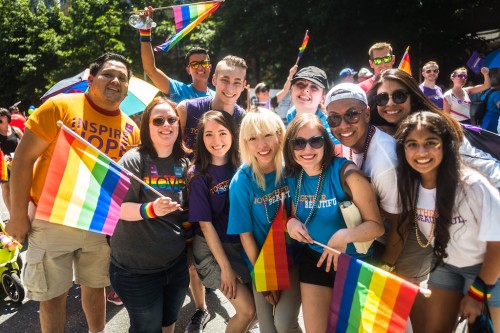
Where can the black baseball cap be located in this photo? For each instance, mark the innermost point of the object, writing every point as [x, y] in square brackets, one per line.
[313, 74]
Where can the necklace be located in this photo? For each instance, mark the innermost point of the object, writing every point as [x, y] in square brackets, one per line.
[371, 132]
[319, 189]
[415, 220]
[265, 205]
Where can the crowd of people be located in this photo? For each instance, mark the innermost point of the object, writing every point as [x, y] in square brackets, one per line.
[225, 171]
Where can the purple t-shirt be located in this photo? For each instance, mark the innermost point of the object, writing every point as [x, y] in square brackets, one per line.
[435, 95]
[209, 199]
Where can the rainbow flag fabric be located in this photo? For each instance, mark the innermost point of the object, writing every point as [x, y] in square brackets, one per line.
[368, 299]
[405, 62]
[271, 268]
[303, 46]
[186, 18]
[84, 188]
[4, 175]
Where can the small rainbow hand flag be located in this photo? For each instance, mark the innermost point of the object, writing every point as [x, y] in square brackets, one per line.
[303, 46]
[404, 65]
[369, 299]
[4, 176]
[186, 18]
[271, 268]
[84, 188]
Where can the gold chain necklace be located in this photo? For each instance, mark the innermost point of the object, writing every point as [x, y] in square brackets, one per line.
[431, 234]
[319, 189]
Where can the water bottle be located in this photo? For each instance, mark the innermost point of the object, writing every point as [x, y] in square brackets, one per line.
[137, 22]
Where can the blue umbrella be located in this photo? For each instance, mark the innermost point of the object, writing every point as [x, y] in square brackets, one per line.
[492, 60]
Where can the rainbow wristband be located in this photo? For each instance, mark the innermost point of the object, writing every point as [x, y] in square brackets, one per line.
[479, 290]
[147, 211]
[145, 35]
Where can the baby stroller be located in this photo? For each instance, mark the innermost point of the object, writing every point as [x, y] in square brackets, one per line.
[10, 267]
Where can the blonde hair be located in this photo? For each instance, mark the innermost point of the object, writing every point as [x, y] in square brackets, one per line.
[379, 46]
[232, 61]
[428, 64]
[261, 121]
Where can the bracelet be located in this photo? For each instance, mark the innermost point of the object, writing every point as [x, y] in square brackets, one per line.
[147, 211]
[145, 35]
[479, 290]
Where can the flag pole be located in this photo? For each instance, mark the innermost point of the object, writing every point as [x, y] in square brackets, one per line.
[424, 291]
[140, 11]
[130, 174]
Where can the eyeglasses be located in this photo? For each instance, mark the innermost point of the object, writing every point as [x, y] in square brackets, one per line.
[315, 142]
[398, 96]
[386, 59]
[351, 117]
[160, 121]
[196, 64]
[460, 76]
[435, 70]
[431, 145]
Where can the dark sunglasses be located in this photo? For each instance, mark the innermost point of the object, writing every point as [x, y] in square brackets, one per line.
[428, 71]
[196, 64]
[398, 96]
[386, 59]
[315, 142]
[460, 76]
[160, 121]
[351, 117]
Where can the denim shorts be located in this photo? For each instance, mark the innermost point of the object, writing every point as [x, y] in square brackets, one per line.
[152, 300]
[459, 279]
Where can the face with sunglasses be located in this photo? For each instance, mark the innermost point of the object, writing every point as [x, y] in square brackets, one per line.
[163, 127]
[459, 77]
[199, 67]
[381, 60]
[430, 73]
[393, 101]
[349, 119]
[308, 149]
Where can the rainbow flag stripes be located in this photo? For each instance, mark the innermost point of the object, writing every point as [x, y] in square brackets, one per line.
[304, 45]
[271, 268]
[369, 299]
[4, 175]
[84, 188]
[186, 18]
[404, 65]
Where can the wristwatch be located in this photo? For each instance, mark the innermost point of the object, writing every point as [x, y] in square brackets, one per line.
[387, 268]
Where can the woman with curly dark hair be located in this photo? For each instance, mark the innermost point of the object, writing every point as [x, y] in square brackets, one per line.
[456, 214]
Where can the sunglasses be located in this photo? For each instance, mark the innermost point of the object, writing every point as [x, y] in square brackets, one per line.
[160, 121]
[315, 142]
[460, 76]
[351, 117]
[398, 96]
[196, 64]
[386, 59]
[428, 71]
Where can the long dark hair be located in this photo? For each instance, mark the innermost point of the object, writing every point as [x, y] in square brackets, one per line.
[146, 146]
[292, 168]
[447, 183]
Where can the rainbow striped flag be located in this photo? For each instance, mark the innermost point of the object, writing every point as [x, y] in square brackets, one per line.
[4, 175]
[303, 46]
[186, 18]
[84, 188]
[404, 65]
[270, 271]
[368, 299]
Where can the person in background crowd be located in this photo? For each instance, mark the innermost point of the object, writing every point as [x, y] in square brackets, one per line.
[347, 75]
[491, 120]
[149, 269]
[381, 58]
[17, 119]
[364, 74]
[56, 253]
[262, 92]
[430, 72]
[453, 210]
[457, 100]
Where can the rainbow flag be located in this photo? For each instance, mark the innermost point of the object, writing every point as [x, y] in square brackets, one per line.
[84, 188]
[405, 62]
[369, 299]
[271, 268]
[4, 175]
[303, 46]
[186, 18]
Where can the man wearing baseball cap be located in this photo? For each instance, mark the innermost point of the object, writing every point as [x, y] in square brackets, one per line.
[347, 75]
[364, 74]
[309, 86]
[374, 152]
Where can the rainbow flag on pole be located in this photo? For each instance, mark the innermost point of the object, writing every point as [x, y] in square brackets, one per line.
[271, 268]
[186, 18]
[303, 46]
[4, 176]
[405, 62]
[369, 299]
[84, 188]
